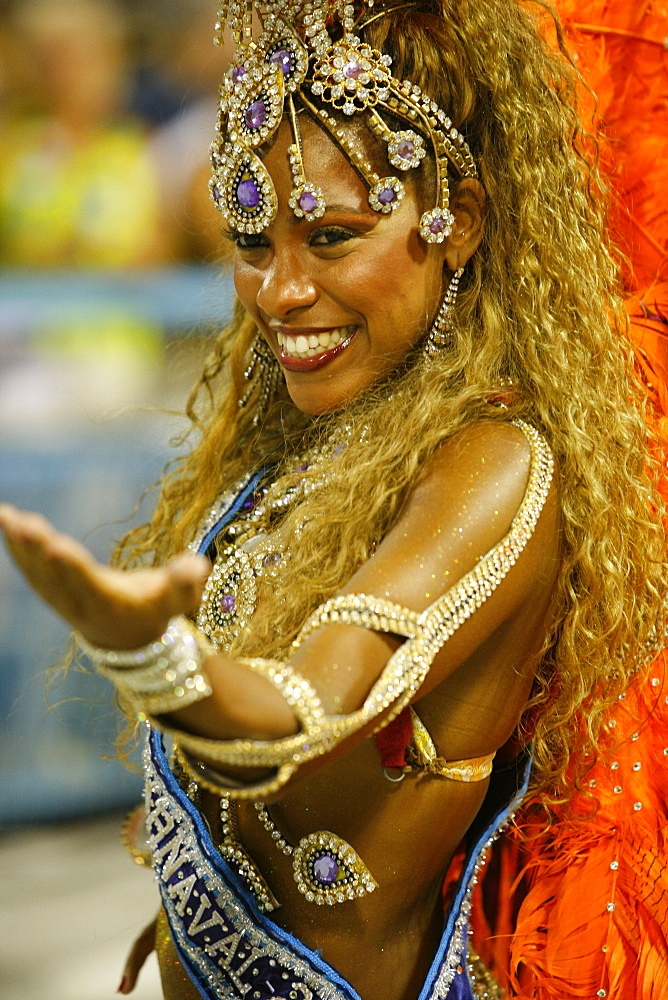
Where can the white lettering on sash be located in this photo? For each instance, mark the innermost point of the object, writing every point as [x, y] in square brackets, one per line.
[254, 955]
[215, 920]
[161, 817]
[174, 854]
[181, 891]
[227, 948]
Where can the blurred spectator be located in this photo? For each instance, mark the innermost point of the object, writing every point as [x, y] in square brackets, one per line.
[177, 91]
[78, 184]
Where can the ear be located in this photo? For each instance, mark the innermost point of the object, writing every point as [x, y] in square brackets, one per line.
[467, 204]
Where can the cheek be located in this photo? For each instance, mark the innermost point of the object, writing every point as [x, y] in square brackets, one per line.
[246, 284]
[400, 287]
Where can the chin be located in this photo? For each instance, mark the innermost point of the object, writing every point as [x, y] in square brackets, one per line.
[318, 399]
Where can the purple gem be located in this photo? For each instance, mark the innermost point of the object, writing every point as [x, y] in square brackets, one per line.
[217, 194]
[308, 201]
[248, 194]
[255, 114]
[228, 604]
[387, 196]
[249, 504]
[302, 468]
[406, 149]
[325, 868]
[437, 225]
[352, 70]
[283, 59]
[238, 73]
[272, 559]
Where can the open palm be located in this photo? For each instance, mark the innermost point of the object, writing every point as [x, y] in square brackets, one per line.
[112, 608]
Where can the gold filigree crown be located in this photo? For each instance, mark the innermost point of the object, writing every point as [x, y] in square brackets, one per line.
[310, 55]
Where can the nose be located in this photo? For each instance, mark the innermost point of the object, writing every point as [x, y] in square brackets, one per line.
[286, 286]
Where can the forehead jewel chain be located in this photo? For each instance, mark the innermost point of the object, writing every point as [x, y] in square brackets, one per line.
[309, 54]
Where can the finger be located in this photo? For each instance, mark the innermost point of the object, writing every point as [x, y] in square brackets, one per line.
[23, 525]
[139, 952]
[58, 567]
[187, 575]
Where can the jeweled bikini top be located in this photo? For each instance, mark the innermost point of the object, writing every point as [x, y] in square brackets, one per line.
[310, 56]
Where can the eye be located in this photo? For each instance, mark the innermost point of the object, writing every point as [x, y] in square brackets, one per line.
[247, 241]
[331, 237]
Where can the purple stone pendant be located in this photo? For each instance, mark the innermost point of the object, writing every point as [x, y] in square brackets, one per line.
[306, 200]
[406, 150]
[386, 195]
[328, 870]
[437, 224]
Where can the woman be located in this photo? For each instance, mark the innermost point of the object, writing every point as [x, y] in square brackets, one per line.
[409, 498]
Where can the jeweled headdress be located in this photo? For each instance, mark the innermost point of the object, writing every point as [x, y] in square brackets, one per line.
[310, 54]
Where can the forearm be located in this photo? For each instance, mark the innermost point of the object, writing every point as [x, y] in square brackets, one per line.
[242, 705]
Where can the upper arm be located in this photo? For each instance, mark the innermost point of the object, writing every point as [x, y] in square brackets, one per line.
[462, 507]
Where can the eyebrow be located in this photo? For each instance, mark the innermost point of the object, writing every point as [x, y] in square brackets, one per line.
[364, 213]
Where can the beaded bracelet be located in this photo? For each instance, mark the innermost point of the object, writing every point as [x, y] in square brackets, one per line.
[161, 676]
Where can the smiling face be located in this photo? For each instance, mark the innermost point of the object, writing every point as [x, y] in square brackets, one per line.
[342, 299]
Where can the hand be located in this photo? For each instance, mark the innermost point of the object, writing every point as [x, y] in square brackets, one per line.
[112, 608]
[139, 952]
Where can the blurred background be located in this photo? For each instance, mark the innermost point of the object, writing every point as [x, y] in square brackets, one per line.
[113, 280]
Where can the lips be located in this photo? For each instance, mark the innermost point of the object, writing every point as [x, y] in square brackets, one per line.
[312, 349]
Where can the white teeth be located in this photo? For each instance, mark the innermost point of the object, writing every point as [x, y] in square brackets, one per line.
[311, 346]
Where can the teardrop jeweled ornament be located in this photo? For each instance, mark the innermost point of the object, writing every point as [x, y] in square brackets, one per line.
[328, 870]
[244, 192]
[291, 57]
[255, 106]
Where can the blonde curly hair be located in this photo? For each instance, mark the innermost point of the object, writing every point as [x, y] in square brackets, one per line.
[538, 307]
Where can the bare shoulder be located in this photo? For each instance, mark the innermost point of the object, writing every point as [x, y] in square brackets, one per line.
[463, 504]
[474, 484]
[484, 450]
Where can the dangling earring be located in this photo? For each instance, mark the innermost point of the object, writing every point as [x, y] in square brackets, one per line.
[264, 376]
[439, 335]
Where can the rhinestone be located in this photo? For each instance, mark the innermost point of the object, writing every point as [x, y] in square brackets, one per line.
[614, 865]
[610, 907]
[255, 114]
[387, 196]
[228, 604]
[248, 194]
[637, 806]
[283, 59]
[308, 202]
[602, 993]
